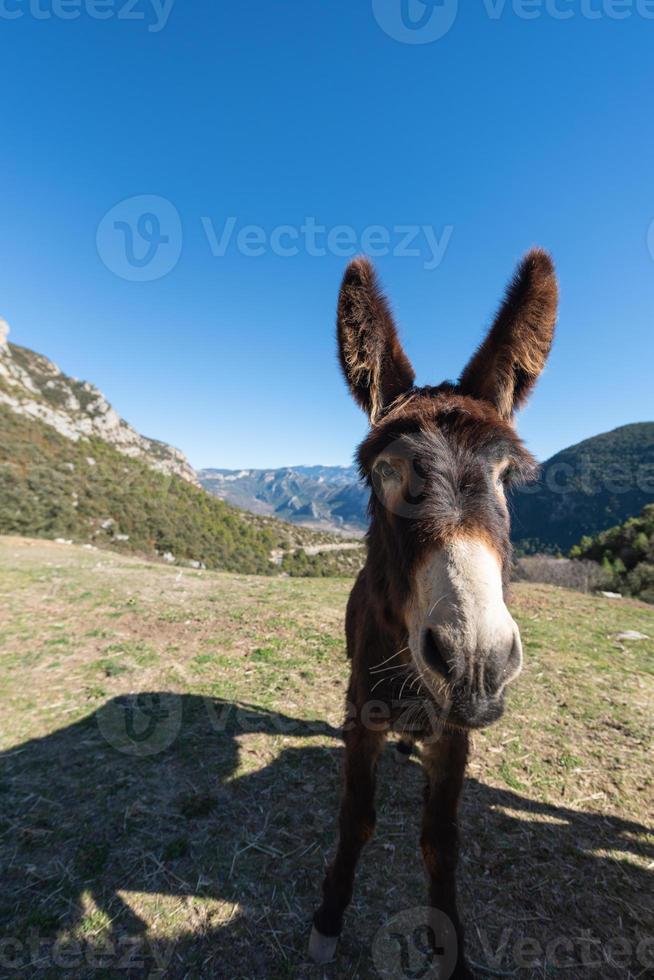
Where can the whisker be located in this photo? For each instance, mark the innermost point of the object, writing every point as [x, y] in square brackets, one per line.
[413, 716]
[381, 670]
[392, 657]
[436, 603]
[404, 685]
[382, 679]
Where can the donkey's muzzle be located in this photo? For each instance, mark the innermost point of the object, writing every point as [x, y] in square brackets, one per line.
[469, 709]
[476, 680]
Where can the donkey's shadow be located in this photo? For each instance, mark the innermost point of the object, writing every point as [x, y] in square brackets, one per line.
[122, 828]
[165, 795]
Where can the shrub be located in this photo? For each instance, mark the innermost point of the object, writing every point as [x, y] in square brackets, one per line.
[325, 564]
[583, 576]
[626, 553]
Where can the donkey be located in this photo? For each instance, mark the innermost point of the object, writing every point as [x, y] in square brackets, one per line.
[427, 614]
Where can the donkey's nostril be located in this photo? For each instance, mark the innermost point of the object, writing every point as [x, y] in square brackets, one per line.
[434, 656]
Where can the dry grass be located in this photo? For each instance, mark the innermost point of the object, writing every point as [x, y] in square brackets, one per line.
[207, 856]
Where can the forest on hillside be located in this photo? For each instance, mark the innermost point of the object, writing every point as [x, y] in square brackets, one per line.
[87, 491]
[585, 489]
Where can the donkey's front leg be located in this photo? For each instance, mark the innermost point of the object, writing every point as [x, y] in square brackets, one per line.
[444, 760]
[356, 825]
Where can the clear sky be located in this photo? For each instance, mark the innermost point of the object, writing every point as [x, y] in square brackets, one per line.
[516, 127]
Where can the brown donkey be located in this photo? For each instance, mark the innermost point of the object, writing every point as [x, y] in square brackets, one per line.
[432, 643]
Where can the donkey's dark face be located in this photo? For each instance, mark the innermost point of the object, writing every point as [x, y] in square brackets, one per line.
[438, 468]
[438, 462]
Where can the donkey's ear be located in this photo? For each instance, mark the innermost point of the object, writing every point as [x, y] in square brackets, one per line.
[374, 364]
[510, 360]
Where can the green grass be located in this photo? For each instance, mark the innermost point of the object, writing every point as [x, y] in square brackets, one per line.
[208, 853]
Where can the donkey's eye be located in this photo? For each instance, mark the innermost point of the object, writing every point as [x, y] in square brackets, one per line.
[503, 477]
[386, 471]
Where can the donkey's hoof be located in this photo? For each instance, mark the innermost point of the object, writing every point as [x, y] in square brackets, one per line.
[322, 948]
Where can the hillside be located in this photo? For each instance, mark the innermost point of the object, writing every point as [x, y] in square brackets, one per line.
[170, 741]
[70, 467]
[33, 386]
[327, 497]
[626, 554]
[87, 491]
[586, 489]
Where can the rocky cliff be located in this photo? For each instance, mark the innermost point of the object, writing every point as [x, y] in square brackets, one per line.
[33, 386]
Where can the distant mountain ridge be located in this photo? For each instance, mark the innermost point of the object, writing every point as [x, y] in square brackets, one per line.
[33, 386]
[325, 497]
[582, 490]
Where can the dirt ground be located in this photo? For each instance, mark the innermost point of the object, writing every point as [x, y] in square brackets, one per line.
[169, 775]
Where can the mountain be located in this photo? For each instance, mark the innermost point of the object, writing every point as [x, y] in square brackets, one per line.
[325, 497]
[71, 468]
[61, 443]
[582, 490]
[586, 489]
[33, 386]
[86, 490]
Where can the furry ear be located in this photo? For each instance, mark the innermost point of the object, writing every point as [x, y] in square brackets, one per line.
[374, 364]
[507, 365]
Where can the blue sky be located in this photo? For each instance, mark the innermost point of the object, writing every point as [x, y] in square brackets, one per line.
[507, 131]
